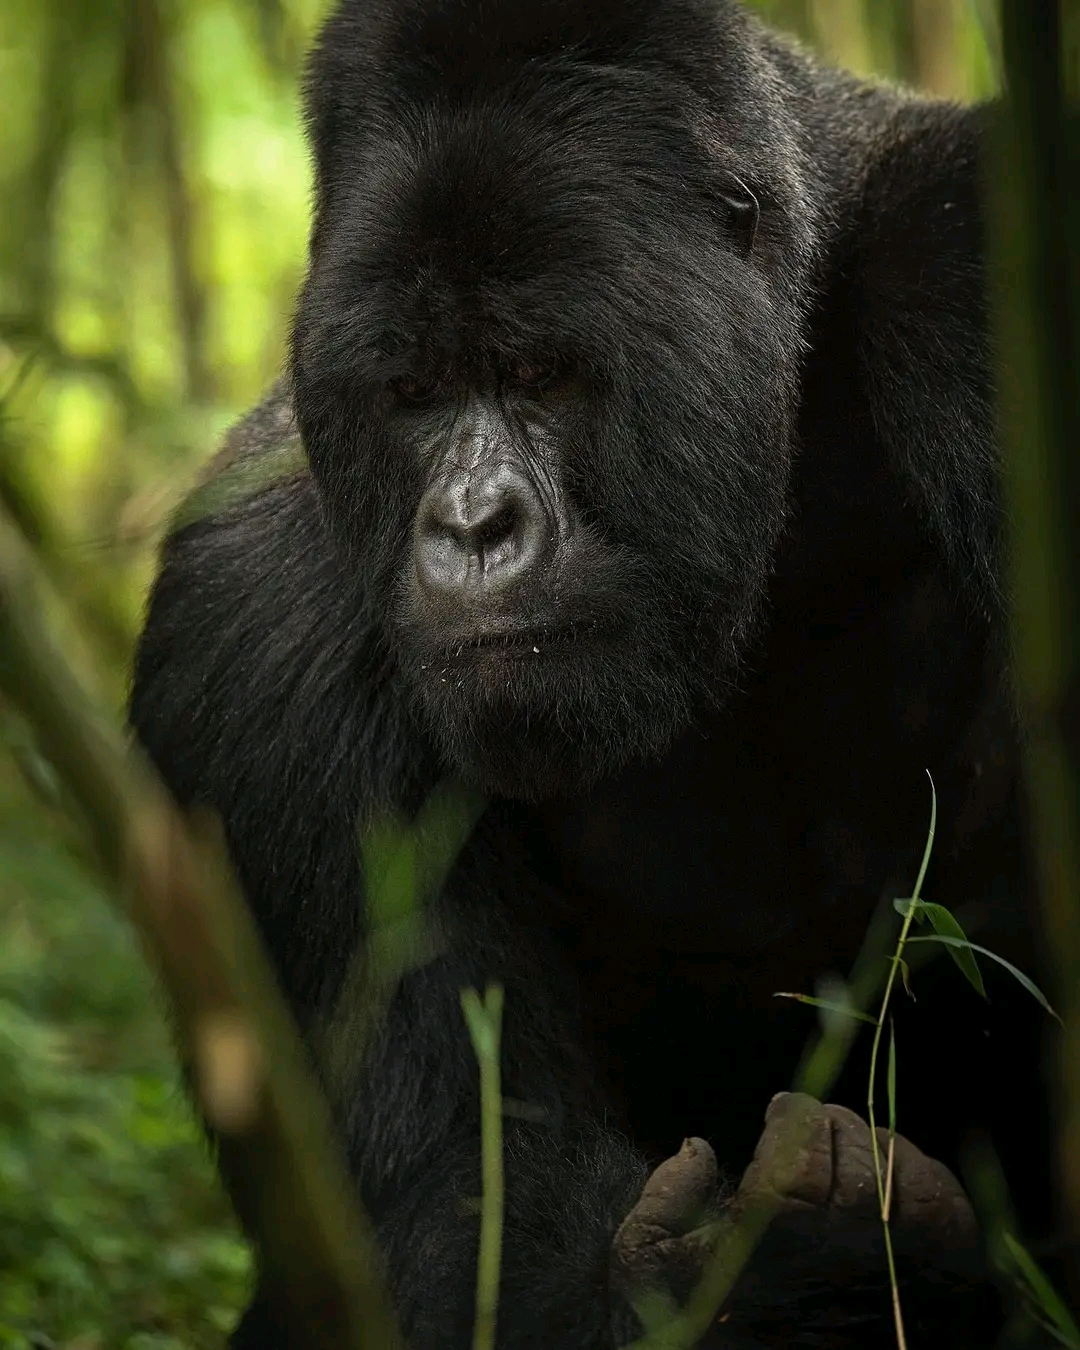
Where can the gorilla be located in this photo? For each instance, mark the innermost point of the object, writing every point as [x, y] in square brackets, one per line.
[635, 468]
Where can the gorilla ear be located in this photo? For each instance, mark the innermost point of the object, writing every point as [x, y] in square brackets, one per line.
[743, 211]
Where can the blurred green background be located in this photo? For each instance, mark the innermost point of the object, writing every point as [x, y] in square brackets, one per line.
[153, 208]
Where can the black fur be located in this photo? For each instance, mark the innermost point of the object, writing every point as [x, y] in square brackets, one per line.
[769, 602]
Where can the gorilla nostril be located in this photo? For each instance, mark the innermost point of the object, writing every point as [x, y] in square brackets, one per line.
[499, 526]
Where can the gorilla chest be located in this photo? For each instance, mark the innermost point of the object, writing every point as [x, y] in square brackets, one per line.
[658, 861]
[732, 843]
[799, 803]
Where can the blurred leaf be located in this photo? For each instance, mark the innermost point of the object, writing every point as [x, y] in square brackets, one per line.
[242, 479]
[1043, 1295]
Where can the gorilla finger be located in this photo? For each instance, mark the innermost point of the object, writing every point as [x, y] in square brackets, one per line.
[655, 1247]
[926, 1196]
[794, 1156]
[676, 1197]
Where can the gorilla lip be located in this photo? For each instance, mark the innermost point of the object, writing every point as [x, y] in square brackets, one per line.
[503, 641]
[513, 641]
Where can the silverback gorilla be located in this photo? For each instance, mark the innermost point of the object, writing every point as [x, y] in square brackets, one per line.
[646, 483]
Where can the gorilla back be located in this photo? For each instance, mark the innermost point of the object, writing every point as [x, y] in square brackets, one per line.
[645, 481]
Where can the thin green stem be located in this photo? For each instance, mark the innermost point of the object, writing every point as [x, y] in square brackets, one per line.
[879, 1027]
[485, 1027]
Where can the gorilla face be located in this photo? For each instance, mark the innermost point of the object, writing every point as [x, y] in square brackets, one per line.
[546, 384]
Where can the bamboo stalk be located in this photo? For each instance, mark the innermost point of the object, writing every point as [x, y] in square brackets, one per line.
[1034, 212]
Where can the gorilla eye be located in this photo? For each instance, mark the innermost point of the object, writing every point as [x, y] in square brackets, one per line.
[418, 388]
[743, 210]
[531, 374]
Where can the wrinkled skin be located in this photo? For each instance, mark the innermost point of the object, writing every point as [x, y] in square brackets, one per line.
[812, 1178]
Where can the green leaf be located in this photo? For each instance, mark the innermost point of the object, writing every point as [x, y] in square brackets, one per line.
[844, 1009]
[1018, 975]
[1042, 1293]
[944, 923]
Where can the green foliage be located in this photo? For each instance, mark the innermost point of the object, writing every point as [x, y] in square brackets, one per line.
[112, 1226]
[1042, 1305]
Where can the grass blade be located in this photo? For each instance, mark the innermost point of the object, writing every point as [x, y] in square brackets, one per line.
[1018, 975]
[1042, 1293]
[929, 840]
[844, 1009]
[891, 1084]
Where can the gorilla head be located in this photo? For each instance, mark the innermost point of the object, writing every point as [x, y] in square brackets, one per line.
[545, 366]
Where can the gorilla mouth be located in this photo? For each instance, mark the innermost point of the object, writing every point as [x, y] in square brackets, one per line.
[496, 648]
[506, 641]
[520, 641]
[528, 640]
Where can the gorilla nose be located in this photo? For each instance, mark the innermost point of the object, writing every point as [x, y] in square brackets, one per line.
[481, 531]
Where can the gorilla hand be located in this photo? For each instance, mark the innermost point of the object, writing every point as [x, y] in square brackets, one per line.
[821, 1264]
